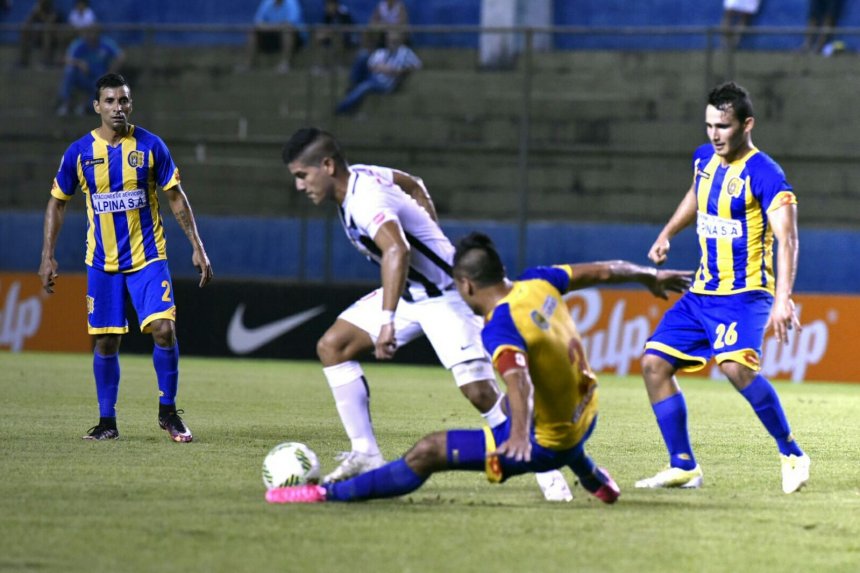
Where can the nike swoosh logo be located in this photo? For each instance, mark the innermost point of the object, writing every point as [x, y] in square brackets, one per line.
[243, 340]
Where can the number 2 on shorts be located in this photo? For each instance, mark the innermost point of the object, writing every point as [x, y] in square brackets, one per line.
[166, 296]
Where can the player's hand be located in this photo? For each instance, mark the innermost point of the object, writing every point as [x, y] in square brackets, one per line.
[783, 318]
[517, 449]
[48, 274]
[670, 281]
[203, 266]
[659, 251]
[386, 344]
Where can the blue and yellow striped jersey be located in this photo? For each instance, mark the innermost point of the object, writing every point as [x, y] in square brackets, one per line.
[534, 319]
[124, 227]
[732, 223]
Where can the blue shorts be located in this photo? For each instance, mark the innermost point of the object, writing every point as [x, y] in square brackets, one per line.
[697, 327]
[150, 291]
[476, 444]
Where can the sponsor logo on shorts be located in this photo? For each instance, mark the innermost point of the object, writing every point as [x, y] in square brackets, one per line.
[91, 304]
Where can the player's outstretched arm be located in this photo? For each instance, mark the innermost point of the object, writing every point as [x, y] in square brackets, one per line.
[185, 217]
[394, 268]
[513, 367]
[415, 188]
[684, 215]
[783, 317]
[659, 282]
[55, 213]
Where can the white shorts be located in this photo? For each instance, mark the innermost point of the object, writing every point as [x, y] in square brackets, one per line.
[745, 6]
[452, 328]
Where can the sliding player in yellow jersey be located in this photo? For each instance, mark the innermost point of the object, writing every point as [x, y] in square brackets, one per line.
[739, 201]
[118, 167]
[551, 397]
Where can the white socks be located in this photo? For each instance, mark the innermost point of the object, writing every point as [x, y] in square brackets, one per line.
[351, 398]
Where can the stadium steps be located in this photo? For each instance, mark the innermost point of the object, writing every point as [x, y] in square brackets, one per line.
[611, 133]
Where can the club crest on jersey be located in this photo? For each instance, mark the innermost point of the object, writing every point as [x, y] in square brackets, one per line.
[735, 187]
[135, 159]
[540, 320]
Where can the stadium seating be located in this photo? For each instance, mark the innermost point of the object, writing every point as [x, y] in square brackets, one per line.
[610, 133]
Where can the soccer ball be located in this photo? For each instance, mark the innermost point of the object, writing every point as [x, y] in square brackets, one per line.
[288, 464]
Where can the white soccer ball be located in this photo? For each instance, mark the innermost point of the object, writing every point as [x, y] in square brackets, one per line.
[290, 463]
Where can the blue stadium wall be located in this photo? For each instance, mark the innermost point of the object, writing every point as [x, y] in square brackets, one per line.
[271, 248]
[593, 13]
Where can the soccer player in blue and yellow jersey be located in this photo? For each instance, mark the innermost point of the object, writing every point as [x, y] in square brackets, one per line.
[119, 166]
[551, 397]
[740, 201]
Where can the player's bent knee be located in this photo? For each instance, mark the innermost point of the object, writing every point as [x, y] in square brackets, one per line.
[655, 367]
[428, 455]
[481, 393]
[107, 344]
[738, 374]
[164, 333]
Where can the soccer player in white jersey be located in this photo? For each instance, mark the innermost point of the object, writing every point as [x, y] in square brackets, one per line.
[389, 216]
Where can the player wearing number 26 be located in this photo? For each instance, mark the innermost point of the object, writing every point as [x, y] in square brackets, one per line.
[118, 167]
[740, 201]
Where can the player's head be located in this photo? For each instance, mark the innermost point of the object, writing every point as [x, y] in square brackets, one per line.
[477, 265]
[315, 159]
[113, 101]
[729, 120]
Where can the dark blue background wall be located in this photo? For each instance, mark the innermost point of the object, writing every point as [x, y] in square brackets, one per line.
[270, 248]
[595, 13]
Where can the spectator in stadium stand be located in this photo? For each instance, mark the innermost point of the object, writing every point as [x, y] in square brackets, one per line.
[89, 57]
[823, 14]
[387, 14]
[40, 30]
[736, 16]
[552, 395]
[275, 31]
[80, 18]
[385, 70]
[334, 46]
[119, 168]
[741, 205]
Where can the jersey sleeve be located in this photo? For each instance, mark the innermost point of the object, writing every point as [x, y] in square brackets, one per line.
[769, 186]
[558, 276]
[701, 156]
[374, 208]
[66, 181]
[500, 334]
[166, 172]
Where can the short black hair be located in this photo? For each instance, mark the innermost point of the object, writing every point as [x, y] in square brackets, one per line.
[110, 80]
[731, 95]
[477, 259]
[312, 145]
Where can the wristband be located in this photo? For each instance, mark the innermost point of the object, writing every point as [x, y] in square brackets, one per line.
[386, 317]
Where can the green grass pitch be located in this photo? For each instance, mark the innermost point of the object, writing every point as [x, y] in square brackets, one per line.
[143, 503]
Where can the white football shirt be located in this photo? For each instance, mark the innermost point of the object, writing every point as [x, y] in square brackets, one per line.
[372, 199]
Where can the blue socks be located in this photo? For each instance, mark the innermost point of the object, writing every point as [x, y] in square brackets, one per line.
[106, 370]
[765, 402]
[391, 480]
[671, 416]
[166, 361]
